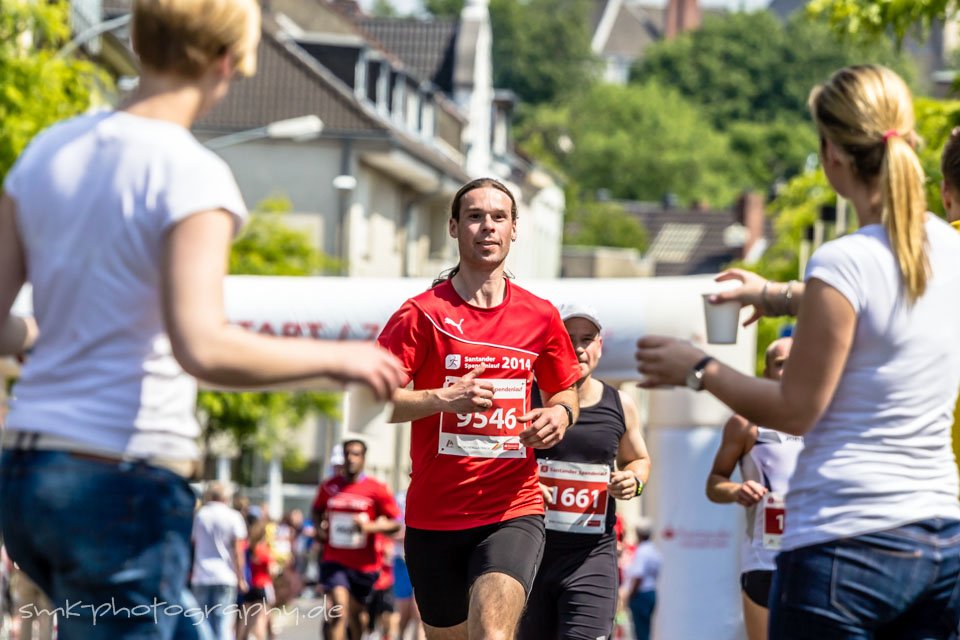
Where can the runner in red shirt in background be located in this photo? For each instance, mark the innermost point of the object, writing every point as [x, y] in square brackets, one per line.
[471, 345]
[351, 509]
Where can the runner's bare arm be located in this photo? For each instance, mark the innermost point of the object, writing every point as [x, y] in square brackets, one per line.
[16, 334]
[549, 423]
[633, 460]
[467, 395]
[193, 271]
[738, 438]
[382, 524]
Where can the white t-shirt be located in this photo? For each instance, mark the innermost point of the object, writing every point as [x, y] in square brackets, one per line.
[770, 463]
[95, 197]
[216, 528]
[881, 456]
[644, 569]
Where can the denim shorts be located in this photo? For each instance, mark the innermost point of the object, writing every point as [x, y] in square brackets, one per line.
[109, 542]
[902, 583]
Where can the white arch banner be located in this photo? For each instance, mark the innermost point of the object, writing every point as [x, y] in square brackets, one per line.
[698, 540]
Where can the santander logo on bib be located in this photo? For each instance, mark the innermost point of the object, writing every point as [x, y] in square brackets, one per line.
[452, 361]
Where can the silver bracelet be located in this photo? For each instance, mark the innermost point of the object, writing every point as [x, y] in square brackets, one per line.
[764, 303]
[788, 297]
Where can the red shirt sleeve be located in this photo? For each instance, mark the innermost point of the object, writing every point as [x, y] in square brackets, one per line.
[320, 501]
[556, 368]
[405, 337]
[386, 505]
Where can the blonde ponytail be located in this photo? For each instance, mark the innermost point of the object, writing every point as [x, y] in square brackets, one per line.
[904, 213]
[867, 111]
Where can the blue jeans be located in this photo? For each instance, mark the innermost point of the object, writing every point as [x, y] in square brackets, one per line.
[642, 604]
[109, 543]
[902, 583]
[218, 602]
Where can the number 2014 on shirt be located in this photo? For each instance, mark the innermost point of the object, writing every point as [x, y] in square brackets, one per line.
[511, 362]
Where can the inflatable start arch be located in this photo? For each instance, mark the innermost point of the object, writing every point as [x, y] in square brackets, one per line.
[698, 594]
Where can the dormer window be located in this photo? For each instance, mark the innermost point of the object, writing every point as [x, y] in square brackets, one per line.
[360, 87]
[399, 96]
[383, 89]
[413, 109]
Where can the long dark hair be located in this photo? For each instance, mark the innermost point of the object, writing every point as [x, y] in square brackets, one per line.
[456, 205]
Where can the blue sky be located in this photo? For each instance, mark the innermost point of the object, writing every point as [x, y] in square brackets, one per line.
[407, 6]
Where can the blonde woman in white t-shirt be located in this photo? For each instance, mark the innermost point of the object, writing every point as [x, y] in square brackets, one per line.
[122, 222]
[872, 539]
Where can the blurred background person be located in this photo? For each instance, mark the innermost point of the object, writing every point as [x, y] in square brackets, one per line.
[219, 535]
[766, 459]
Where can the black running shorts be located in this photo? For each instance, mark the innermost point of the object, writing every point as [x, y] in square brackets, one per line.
[756, 585]
[574, 595]
[444, 564]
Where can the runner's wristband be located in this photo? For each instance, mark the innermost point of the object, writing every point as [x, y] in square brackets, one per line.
[569, 411]
[640, 486]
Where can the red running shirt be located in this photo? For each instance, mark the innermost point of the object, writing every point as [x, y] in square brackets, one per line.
[470, 470]
[341, 501]
[260, 566]
[385, 553]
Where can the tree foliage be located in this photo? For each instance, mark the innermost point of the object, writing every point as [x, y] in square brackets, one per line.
[771, 152]
[751, 67]
[603, 224]
[265, 421]
[38, 89]
[541, 48]
[871, 18]
[638, 142]
[384, 9]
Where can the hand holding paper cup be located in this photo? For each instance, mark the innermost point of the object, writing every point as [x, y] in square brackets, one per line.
[722, 318]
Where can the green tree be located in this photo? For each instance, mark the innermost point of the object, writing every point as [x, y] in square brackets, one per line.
[751, 67]
[541, 48]
[641, 142]
[444, 8]
[259, 421]
[872, 18]
[772, 152]
[603, 224]
[37, 88]
[384, 9]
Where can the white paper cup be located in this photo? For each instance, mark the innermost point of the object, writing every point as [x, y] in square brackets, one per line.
[722, 319]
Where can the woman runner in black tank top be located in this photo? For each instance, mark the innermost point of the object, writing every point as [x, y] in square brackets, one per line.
[602, 458]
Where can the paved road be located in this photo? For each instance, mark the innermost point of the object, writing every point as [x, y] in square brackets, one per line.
[300, 621]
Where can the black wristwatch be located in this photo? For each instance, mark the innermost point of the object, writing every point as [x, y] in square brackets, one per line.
[569, 411]
[695, 375]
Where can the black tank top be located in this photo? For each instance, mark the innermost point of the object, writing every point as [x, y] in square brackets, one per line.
[594, 439]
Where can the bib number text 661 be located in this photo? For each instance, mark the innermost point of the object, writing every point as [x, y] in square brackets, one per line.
[570, 497]
[500, 418]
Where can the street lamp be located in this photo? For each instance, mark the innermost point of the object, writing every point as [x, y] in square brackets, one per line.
[298, 129]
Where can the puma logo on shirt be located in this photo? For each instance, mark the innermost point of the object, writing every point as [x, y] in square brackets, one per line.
[458, 325]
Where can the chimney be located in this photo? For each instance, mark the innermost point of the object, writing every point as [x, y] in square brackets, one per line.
[751, 215]
[349, 8]
[682, 15]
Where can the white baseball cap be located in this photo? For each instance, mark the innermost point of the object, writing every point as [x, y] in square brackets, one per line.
[576, 310]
